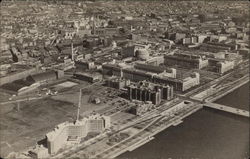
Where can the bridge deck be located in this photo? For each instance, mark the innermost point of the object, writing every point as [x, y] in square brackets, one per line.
[227, 109]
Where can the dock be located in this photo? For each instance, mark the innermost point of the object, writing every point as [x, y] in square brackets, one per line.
[227, 109]
[140, 143]
[220, 94]
[177, 122]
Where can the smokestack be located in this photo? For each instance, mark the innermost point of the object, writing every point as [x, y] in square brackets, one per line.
[72, 51]
[79, 105]
[93, 25]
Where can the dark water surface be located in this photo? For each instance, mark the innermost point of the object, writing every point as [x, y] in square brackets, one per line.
[207, 134]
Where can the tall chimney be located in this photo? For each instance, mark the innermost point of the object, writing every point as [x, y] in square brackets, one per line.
[72, 51]
[79, 105]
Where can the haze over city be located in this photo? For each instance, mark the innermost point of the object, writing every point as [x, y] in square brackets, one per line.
[124, 79]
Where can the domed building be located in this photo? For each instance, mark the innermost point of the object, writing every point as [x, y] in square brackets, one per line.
[142, 54]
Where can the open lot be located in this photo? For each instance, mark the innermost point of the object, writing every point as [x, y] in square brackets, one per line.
[66, 84]
[5, 108]
[23, 129]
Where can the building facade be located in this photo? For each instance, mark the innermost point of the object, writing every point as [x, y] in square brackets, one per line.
[186, 60]
[167, 77]
[147, 91]
[118, 83]
[57, 138]
[179, 84]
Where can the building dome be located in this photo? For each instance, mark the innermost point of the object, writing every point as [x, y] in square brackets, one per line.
[142, 54]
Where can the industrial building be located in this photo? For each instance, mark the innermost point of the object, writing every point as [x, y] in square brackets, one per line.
[83, 65]
[112, 70]
[175, 36]
[117, 82]
[186, 60]
[221, 66]
[142, 54]
[39, 151]
[137, 50]
[67, 64]
[216, 46]
[20, 87]
[138, 72]
[167, 77]
[155, 61]
[147, 91]
[88, 76]
[136, 75]
[190, 40]
[150, 68]
[46, 77]
[66, 131]
[106, 31]
[32, 82]
[141, 108]
[179, 84]
[10, 77]
[170, 72]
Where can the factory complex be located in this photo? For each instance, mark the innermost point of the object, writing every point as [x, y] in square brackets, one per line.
[95, 78]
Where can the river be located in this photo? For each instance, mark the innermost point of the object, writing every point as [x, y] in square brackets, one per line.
[206, 134]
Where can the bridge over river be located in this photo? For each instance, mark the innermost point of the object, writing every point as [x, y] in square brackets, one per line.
[221, 107]
[227, 109]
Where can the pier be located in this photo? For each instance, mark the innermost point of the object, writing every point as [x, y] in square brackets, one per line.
[227, 109]
[140, 143]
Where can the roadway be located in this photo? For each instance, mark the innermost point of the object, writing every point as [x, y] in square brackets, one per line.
[158, 124]
[242, 67]
[18, 99]
[218, 93]
[155, 126]
[83, 148]
[227, 109]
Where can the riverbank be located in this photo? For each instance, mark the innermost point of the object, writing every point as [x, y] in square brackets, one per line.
[205, 134]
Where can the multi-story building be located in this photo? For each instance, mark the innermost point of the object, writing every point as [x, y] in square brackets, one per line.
[147, 91]
[112, 70]
[190, 40]
[225, 66]
[144, 94]
[170, 72]
[155, 61]
[141, 108]
[118, 82]
[57, 138]
[39, 151]
[83, 65]
[149, 68]
[175, 36]
[106, 31]
[138, 50]
[179, 84]
[221, 66]
[167, 77]
[88, 76]
[136, 75]
[186, 60]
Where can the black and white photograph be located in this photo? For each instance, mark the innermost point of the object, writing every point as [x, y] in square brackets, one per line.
[124, 79]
